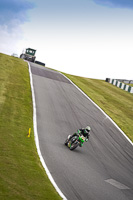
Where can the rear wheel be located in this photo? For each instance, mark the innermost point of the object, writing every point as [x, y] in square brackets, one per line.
[66, 142]
[22, 56]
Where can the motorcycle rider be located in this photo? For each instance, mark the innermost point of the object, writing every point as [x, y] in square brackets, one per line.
[83, 131]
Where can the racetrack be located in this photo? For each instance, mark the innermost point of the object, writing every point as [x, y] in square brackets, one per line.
[103, 168]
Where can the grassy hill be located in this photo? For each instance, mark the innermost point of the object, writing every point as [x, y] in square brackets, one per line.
[21, 173]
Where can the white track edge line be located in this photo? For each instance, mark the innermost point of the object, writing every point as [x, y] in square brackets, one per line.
[37, 140]
[100, 110]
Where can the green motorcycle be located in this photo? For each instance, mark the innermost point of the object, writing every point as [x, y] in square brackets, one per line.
[75, 141]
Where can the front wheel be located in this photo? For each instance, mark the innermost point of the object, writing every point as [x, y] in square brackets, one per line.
[74, 145]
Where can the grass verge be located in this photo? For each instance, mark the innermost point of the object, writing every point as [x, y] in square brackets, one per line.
[117, 103]
[22, 176]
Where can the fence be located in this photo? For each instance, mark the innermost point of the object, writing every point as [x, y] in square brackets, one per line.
[120, 85]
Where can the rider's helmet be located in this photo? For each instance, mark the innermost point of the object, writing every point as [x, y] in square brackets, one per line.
[87, 129]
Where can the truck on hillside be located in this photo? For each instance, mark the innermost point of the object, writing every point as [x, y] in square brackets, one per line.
[29, 54]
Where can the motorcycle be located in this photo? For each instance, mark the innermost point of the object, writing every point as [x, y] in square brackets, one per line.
[75, 141]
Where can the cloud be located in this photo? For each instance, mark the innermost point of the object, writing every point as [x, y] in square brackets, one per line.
[8, 40]
[116, 3]
[14, 11]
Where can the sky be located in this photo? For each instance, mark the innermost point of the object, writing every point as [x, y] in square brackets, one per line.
[89, 38]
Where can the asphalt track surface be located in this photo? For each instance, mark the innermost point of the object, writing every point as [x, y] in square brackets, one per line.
[103, 168]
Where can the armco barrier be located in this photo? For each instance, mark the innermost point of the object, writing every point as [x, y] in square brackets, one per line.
[121, 85]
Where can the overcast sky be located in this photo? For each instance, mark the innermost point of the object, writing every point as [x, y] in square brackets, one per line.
[90, 38]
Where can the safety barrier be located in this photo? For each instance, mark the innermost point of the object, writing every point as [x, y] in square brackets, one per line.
[120, 85]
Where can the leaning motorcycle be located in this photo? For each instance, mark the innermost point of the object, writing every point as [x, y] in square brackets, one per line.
[75, 141]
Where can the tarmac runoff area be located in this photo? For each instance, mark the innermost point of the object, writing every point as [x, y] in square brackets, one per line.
[103, 168]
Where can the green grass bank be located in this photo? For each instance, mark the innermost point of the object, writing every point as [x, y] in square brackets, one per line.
[22, 176]
[117, 103]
